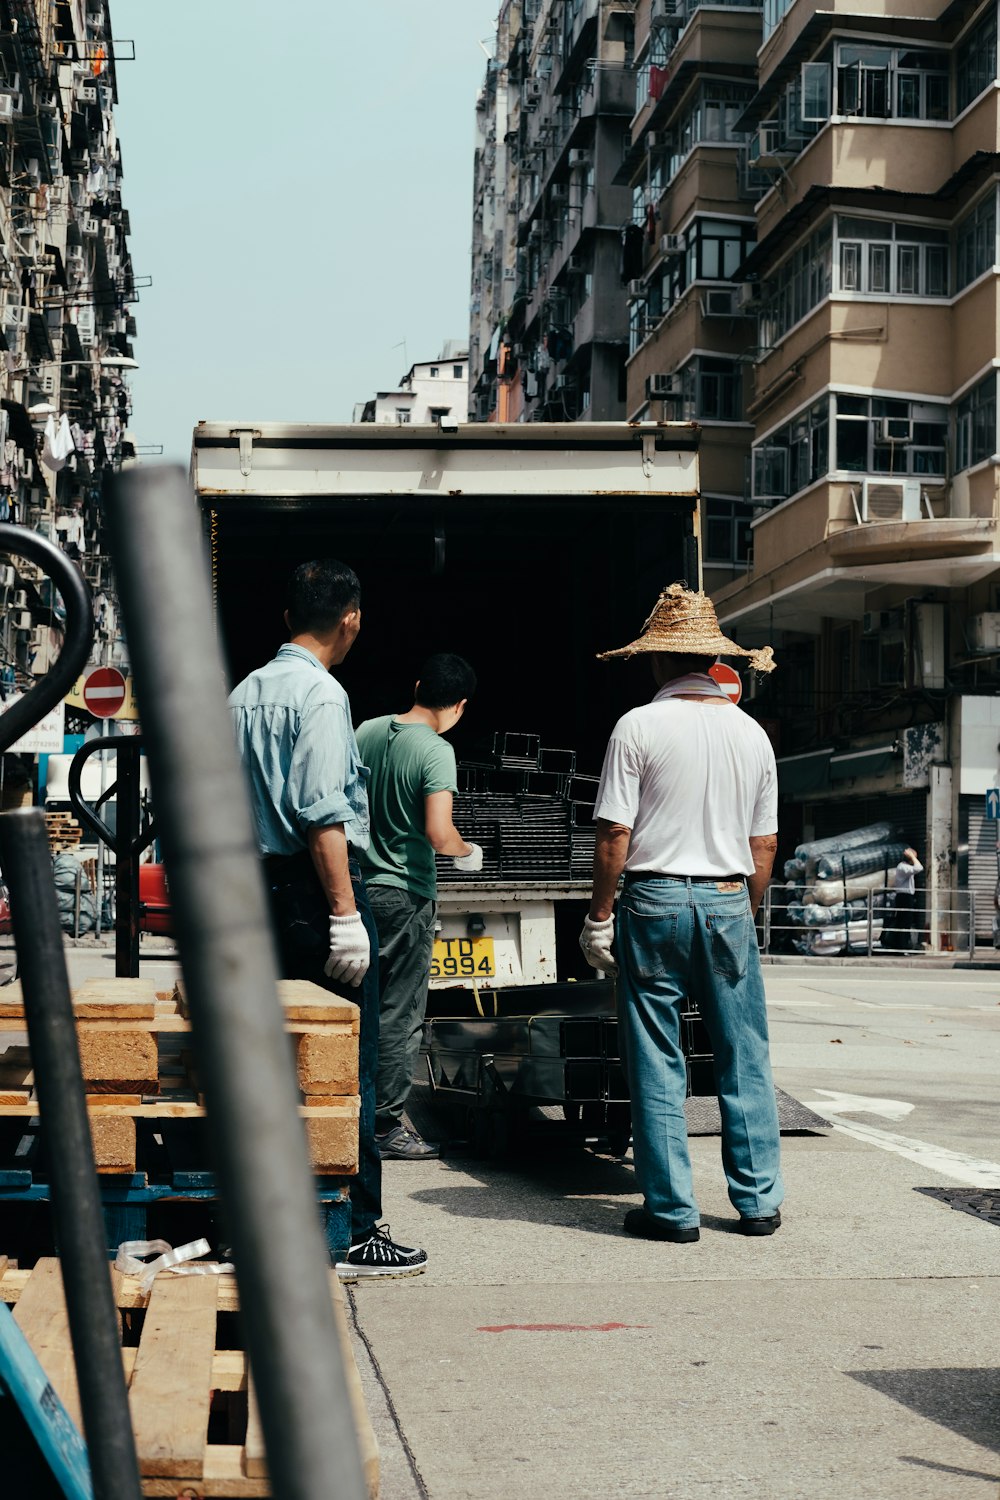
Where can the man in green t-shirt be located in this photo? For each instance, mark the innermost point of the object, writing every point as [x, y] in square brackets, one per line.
[412, 779]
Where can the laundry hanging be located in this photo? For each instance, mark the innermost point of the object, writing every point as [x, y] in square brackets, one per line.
[58, 444]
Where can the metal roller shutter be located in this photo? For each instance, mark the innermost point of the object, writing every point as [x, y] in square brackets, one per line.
[979, 834]
[908, 813]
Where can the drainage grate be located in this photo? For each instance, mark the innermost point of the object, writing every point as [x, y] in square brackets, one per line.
[983, 1202]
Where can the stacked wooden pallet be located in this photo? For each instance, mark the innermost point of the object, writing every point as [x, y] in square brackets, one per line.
[137, 1065]
[64, 831]
[183, 1365]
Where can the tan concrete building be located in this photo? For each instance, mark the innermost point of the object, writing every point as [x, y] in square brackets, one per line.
[875, 558]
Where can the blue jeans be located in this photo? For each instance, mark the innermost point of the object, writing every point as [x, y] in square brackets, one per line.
[301, 916]
[682, 941]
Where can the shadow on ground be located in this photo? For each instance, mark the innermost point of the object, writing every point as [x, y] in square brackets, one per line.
[966, 1401]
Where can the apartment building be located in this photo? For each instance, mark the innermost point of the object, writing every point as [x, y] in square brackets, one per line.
[875, 563]
[548, 317]
[66, 322]
[431, 391]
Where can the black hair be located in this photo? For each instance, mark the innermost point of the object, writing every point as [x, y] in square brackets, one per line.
[444, 681]
[320, 594]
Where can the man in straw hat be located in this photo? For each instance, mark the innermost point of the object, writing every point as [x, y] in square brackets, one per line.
[687, 810]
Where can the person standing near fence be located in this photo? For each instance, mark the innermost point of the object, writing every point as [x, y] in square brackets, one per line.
[904, 898]
[687, 809]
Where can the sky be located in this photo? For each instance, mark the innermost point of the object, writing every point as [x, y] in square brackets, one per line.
[298, 177]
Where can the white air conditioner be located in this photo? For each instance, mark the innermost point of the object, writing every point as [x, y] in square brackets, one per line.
[565, 383]
[659, 140]
[665, 13]
[15, 316]
[662, 387]
[671, 244]
[22, 620]
[984, 631]
[7, 110]
[559, 192]
[533, 88]
[95, 20]
[39, 637]
[748, 295]
[89, 224]
[719, 302]
[75, 258]
[896, 430]
[772, 149]
[47, 384]
[86, 93]
[576, 265]
[7, 577]
[579, 158]
[535, 230]
[890, 500]
[20, 600]
[637, 291]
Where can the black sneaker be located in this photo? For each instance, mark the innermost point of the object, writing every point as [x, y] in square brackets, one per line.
[758, 1227]
[379, 1256]
[401, 1144]
[645, 1227]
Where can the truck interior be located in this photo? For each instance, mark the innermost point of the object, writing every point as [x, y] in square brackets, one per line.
[527, 589]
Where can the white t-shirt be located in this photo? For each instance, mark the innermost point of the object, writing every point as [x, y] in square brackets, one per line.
[694, 782]
[903, 880]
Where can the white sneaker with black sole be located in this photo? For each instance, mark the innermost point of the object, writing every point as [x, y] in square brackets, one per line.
[378, 1255]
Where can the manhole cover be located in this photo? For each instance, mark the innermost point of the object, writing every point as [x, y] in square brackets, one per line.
[983, 1202]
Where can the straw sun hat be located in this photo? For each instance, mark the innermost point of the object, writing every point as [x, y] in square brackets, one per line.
[685, 623]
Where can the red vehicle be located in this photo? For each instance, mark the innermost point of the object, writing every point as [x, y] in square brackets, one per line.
[154, 901]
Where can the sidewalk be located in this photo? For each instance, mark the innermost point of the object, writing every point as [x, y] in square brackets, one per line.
[544, 1354]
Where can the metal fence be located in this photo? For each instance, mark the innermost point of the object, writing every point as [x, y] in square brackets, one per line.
[943, 921]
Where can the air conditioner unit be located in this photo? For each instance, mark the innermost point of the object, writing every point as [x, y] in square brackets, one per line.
[533, 88]
[659, 140]
[95, 20]
[22, 620]
[89, 224]
[7, 576]
[86, 93]
[38, 638]
[983, 631]
[748, 295]
[662, 387]
[576, 265]
[7, 110]
[890, 500]
[20, 600]
[535, 229]
[580, 158]
[671, 244]
[772, 149]
[565, 383]
[47, 384]
[665, 13]
[637, 291]
[559, 192]
[15, 316]
[896, 430]
[719, 302]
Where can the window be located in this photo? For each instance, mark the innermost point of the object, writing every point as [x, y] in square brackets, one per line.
[402, 414]
[976, 424]
[900, 83]
[711, 390]
[881, 258]
[712, 117]
[975, 242]
[794, 456]
[435, 370]
[716, 248]
[727, 532]
[881, 435]
[799, 284]
[816, 91]
[976, 61]
[457, 371]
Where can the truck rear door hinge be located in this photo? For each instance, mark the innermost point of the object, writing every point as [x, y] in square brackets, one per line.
[246, 436]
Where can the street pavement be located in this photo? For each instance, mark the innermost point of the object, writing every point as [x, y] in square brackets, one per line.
[853, 1356]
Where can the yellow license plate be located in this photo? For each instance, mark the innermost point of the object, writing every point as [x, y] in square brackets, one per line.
[463, 958]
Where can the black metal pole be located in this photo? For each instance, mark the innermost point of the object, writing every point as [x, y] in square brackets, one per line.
[230, 972]
[76, 1202]
[127, 827]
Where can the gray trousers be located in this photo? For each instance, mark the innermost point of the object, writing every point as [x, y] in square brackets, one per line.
[405, 941]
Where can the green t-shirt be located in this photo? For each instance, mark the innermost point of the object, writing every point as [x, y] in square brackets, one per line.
[406, 762]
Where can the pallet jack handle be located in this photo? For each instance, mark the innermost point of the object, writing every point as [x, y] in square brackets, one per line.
[48, 1009]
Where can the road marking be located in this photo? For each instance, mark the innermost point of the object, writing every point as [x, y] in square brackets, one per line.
[972, 1171]
[835, 1103]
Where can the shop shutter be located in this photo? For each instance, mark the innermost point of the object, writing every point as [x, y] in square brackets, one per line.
[979, 834]
[908, 813]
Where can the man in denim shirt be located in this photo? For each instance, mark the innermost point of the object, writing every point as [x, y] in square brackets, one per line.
[687, 809]
[310, 806]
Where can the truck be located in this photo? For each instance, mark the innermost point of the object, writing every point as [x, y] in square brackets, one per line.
[527, 549]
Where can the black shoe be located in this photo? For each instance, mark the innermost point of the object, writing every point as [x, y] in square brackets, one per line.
[758, 1227]
[401, 1144]
[378, 1256]
[645, 1227]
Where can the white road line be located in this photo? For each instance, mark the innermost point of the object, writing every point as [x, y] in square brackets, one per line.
[972, 1171]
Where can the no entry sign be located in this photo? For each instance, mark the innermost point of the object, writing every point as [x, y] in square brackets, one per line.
[728, 680]
[104, 692]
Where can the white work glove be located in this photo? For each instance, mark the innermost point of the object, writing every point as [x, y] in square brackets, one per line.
[471, 863]
[350, 950]
[595, 940]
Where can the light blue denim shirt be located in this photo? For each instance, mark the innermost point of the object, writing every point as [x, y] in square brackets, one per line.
[295, 738]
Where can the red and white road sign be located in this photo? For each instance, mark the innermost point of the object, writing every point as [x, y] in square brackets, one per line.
[728, 680]
[104, 692]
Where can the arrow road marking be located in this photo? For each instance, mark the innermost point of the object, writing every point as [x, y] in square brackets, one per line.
[834, 1103]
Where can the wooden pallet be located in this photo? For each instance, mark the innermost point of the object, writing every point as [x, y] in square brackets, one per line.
[195, 1418]
[136, 1061]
